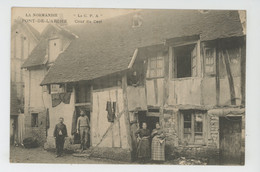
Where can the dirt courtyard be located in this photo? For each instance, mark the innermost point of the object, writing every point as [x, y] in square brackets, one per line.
[39, 155]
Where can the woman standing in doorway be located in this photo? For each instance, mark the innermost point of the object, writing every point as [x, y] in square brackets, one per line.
[158, 144]
[143, 147]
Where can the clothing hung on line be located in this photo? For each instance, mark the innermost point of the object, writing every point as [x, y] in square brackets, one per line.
[111, 110]
[60, 97]
[74, 123]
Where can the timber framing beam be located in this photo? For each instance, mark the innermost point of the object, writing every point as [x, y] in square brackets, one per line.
[127, 118]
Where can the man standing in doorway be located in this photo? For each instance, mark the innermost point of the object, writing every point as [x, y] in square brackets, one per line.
[83, 128]
[60, 132]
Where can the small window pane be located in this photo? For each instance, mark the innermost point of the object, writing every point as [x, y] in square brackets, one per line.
[153, 64]
[187, 124]
[198, 123]
[156, 66]
[187, 117]
[209, 56]
[153, 73]
[198, 126]
[187, 128]
[160, 63]
[209, 69]
[187, 136]
[159, 72]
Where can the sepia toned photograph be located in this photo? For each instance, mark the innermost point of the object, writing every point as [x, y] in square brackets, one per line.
[127, 86]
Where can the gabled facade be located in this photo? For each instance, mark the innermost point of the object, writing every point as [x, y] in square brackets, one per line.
[23, 39]
[54, 40]
[196, 90]
[188, 75]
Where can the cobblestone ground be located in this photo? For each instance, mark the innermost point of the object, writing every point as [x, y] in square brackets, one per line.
[39, 155]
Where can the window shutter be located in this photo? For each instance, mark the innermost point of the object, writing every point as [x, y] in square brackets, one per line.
[194, 61]
[209, 53]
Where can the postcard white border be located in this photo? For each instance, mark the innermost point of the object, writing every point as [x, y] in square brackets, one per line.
[252, 162]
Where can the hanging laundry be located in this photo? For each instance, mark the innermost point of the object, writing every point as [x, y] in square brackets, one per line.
[111, 111]
[47, 119]
[114, 108]
[74, 123]
[65, 97]
[60, 97]
[55, 99]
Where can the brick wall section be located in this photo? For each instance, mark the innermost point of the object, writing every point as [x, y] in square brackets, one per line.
[36, 132]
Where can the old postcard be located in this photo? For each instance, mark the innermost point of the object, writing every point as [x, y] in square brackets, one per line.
[128, 86]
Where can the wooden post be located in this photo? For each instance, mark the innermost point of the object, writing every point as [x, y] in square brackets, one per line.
[119, 127]
[127, 119]
[217, 73]
[166, 76]
[200, 66]
[230, 78]
[243, 71]
[91, 112]
[155, 90]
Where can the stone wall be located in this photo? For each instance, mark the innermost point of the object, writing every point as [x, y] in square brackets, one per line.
[174, 148]
[213, 131]
[38, 132]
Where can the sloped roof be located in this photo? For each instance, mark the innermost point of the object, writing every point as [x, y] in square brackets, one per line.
[106, 48]
[34, 31]
[31, 30]
[37, 56]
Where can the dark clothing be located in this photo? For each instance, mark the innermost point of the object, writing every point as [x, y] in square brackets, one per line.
[60, 97]
[60, 132]
[74, 123]
[55, 99]
[143, 148]
[59, 145]
[111, 111]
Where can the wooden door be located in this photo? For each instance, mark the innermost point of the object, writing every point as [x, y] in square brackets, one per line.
[230, 140]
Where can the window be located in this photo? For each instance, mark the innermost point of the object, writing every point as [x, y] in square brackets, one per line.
[185, 61]
[34, 119]
[209, 60]
[234, 56]
[192, 127]
[156, 66]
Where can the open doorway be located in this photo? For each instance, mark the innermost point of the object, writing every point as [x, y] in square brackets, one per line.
[13, 129]
[150, 120]
[87, 112]
[230, 140]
